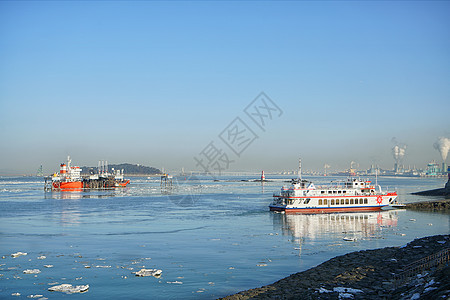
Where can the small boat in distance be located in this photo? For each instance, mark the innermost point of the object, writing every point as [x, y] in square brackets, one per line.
[70, 179]
[351, 195]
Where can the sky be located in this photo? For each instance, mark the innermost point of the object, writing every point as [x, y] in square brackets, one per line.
[156, 83]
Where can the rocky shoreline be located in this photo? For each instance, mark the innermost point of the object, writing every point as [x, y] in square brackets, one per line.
[440, 205]
[367, 274]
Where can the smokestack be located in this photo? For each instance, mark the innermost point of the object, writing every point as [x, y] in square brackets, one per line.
[443, 146]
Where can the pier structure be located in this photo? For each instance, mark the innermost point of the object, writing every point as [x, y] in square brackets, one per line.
[166, 181]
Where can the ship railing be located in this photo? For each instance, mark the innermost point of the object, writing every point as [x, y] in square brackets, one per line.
[434, 260]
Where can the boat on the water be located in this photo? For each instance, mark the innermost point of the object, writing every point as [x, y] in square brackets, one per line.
[69, 179]
[302, 196]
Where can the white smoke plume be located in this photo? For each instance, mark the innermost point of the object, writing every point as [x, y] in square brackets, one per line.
[443, 146]
[398, 151]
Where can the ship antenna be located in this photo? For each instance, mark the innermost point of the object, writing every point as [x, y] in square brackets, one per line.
[300, 169]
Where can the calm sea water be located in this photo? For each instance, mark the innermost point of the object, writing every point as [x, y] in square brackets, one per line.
[210, 238]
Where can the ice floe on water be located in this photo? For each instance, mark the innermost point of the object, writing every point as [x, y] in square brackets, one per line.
[148, 272]
[31, 271]
[17, 254]
[69, 289]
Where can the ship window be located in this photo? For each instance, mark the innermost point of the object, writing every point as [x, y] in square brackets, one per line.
[339, 192]
[344, 192]
[351, 201]
[320, 201]
[325, 201]
[334, 192]
[307, 200]
[356, 201]
[329, 192]
[322, 192]
[342, 201]
[365, 200]
[346, 201]
[332, 201]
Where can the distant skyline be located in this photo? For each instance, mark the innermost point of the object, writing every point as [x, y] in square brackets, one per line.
[154, 83]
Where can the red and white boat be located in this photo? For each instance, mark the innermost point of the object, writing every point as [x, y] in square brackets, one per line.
[70, 179]
[351, 195]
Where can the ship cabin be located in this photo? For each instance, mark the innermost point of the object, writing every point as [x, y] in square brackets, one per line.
[305, 188]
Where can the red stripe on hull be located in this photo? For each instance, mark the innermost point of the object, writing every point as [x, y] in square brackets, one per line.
[325, 210]
[73, 185]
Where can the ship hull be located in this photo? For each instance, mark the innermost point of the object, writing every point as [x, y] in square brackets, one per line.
[122, 184]
[71, 185]
[324, 210]
[90, 184]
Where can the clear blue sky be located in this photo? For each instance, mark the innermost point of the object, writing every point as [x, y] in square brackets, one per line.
[154, 82]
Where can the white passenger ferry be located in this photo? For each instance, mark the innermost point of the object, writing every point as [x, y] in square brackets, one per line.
[351, 195]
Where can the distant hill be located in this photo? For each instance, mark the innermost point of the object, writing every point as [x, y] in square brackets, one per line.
[128, 169]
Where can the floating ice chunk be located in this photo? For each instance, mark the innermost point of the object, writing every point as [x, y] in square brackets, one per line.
[31, 271]
[412, 220]
[148, 272]
[42, 257]
[175, 282]
[345, 296]
[441, 242]
[17, 254]
[261, 265]
[69, 289]
[15, 294]
[429, 289]
[417, 246]
[349, 239]
[35, 296]
[48, 266]
[429, 224]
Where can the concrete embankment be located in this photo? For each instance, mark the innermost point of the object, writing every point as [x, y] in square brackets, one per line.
[369, 274]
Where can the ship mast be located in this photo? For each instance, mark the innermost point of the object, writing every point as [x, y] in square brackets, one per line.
[300, 169]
